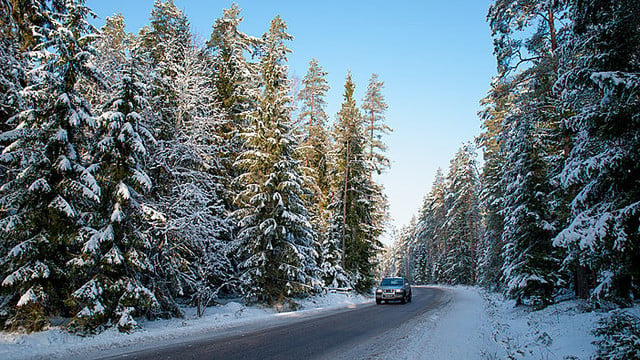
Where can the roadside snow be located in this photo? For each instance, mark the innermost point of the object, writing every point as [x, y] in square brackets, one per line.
[560, 331]
[469, 323]
[460, 329]
[56, 343]
[474, 324]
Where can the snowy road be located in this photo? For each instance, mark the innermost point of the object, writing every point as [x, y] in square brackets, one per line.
[331, 335]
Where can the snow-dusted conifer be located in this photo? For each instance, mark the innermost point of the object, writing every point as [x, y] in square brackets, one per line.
[530, 266]
[234, 78]
[352, 220]
[314, 147]
[49, 189]
[459, 262]
[114, 251]
[430, 232]
[373, 108]
[490, 261]
[600, 83]
[198, 229]
[275, 235]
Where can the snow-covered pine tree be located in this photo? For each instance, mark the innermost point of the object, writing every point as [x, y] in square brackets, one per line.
[352, 221]
[234, 78]
[373, 108]
[600, 83]
[314, 147]
[313, 120]
[49, 188]
[490, 261]
[531, 144]
[275, 235]
[462, 223]
[530, 268]
[113, 258]
[430, 233]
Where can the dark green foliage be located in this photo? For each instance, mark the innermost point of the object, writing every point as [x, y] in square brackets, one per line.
[599, 82]
[619, 335]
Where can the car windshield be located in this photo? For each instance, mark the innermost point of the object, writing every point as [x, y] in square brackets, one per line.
[391, 282]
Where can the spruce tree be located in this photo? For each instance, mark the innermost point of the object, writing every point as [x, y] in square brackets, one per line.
[459, 262]
[275, 235]
[599, 83]
[234, 79]
[50, 189]
[114, 252]
[352, 221]
[530, 264]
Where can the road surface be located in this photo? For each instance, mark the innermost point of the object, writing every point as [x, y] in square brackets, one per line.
[324, 336]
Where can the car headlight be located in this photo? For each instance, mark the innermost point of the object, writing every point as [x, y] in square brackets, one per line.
[378, 291]
[399, 291]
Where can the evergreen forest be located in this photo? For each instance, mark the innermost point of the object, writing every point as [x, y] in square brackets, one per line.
[143, 173]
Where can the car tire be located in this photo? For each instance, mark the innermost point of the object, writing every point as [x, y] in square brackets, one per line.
[403, 300]
[378, 302]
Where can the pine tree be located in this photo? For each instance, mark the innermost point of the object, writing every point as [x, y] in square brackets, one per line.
[352, 221]
[278, 259]
[599, 82]
[314, 147]
[373, 108]
[234, 78]
[49, 189]
[491, 260]
[531, 146]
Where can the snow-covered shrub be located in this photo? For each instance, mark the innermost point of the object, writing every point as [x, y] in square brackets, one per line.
[619, 336]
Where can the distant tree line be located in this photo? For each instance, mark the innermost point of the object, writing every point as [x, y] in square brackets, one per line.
[555, 207]
[145, 172]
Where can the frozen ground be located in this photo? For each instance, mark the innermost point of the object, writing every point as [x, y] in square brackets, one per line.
[474, 324]
[471, 324]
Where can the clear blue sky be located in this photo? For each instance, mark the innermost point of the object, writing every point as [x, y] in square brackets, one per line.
[435, 58]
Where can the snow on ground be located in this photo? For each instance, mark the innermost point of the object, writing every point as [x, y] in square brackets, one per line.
[469, 324]
[474, 324]
[56, 343]
[460, 329]
[560, 331]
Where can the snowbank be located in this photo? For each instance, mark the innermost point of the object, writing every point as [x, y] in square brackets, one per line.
[56, 343]
[560, 331]
[475, 324]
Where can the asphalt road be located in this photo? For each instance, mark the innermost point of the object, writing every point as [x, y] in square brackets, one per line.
[321, 336]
